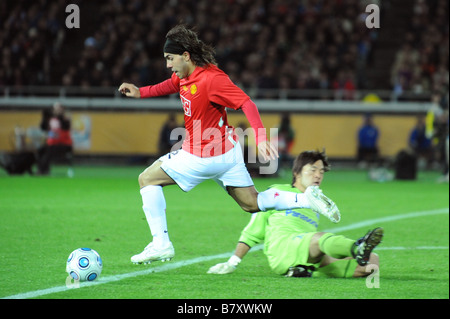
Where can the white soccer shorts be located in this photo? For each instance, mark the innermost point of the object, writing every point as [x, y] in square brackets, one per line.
[189, 170]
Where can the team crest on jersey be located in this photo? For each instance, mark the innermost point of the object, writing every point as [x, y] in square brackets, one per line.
[186, 105]
[193, 89]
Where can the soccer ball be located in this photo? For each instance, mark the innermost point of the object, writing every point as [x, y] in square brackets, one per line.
[84, 264]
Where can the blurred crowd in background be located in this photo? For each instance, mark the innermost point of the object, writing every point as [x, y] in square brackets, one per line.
[269, 44]
[422, 61]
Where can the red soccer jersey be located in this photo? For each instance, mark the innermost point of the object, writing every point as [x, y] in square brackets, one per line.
[204, 95]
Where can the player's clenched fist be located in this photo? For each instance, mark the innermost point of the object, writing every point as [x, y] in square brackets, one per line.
[130, 90]
[268, 151]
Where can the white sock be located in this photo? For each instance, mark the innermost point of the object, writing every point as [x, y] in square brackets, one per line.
[154, 206]
[280, 200]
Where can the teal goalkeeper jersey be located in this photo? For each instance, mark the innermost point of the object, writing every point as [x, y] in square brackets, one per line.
[272, 225]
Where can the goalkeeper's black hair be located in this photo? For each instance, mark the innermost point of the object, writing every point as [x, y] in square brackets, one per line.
[308, 157]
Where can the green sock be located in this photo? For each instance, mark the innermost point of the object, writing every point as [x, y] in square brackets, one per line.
[343, 268]
[336, 246]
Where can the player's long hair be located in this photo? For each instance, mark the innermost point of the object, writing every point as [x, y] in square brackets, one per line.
[308, 157]
[201, 53]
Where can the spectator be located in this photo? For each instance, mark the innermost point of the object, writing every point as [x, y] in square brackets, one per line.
[166, 141]
[436, 129]
[367, 142]
[420, 143]
[319, 44]
[285, 140]
[59, 141]
[317, 38]
[444, 177]
[440, 134]
[31, 39]
[422, 62]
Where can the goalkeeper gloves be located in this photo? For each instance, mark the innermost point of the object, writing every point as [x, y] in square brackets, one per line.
[226, 267]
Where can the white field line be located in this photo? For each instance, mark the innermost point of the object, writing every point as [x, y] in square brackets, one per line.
[414, 248]
[175, 265]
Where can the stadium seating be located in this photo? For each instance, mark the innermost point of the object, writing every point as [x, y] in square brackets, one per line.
[281, 45]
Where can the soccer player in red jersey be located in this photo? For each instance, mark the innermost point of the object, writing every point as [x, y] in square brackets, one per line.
[211, 149]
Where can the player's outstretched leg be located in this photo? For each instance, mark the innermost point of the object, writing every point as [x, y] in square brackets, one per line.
[273, 198]
[364, 246]
[322, 204]
[150, 254]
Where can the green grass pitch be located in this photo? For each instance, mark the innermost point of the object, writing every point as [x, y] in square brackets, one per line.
[44, 218]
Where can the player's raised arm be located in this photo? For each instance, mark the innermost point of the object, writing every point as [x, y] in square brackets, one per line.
[268, 151]
[130, 90]
[169, 86]
[265, 147]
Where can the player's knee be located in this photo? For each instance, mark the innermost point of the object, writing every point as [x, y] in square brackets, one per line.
[250, 207]
[146, 178]
[142, 179]
[314, 243]
[154, 175]
[315, 254]
[245, 197]
[249, 204]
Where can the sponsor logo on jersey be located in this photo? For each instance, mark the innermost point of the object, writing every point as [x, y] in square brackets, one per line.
[193, 89]
[292, 213]
[186, 105]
